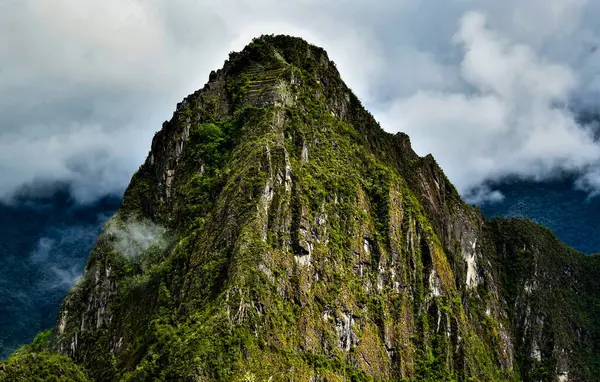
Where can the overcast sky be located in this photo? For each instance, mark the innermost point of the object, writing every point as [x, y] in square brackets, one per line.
[490, 88]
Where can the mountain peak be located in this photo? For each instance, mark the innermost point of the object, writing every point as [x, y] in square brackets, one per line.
[274, 50]
[277, 73]
[276, 232]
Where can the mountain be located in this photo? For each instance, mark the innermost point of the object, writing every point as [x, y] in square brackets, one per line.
[276, 233]
[570, 213]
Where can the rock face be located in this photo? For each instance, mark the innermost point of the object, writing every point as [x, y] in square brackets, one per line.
[298, 241]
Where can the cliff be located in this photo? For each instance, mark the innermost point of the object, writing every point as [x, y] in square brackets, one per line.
[275, 232]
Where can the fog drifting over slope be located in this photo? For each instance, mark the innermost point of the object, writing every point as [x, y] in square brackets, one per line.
[489, 88]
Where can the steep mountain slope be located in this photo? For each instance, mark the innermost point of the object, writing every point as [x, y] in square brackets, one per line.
[276, 232]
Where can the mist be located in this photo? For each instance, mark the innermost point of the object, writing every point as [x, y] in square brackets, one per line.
[46, 240]
[137, 239]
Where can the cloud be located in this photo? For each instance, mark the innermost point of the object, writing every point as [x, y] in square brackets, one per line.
[65, 278]
[513, 121]
[132, 237]
[483, 194]
[85, 84]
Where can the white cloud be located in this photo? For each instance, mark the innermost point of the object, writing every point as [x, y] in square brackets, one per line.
[132, 237]
[483, 194]
[512, 123]
[85, 84]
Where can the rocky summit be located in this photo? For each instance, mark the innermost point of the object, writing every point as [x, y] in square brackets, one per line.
[276, 233]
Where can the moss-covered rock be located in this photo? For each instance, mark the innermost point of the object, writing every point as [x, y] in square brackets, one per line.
[275, 232]
[41, 367]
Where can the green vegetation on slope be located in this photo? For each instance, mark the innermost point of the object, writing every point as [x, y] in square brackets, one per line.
[276, 233]
[41, 367]
[553, 299]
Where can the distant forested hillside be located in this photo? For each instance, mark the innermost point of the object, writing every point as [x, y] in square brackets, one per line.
[44, 243]
[571, 214]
